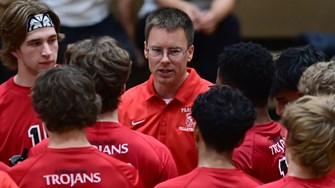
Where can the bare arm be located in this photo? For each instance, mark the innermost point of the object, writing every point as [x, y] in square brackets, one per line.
[126, 15]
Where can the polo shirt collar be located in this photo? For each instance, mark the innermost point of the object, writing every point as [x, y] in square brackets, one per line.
[184, 91]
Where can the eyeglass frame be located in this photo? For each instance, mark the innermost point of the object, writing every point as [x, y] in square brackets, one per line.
[168, 52]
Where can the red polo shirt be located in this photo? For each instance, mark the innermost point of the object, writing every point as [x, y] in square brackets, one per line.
[143, 110]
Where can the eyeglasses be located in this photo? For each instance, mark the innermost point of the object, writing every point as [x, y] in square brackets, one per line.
[173, 53]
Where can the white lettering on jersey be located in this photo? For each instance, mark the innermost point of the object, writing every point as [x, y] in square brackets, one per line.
[112, 149]
[185, 110]
[72, 178]
[278, 147]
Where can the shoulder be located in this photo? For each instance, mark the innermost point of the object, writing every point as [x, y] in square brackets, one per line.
[5, 87]
[136, 91]
[181, 181]
[6, 181]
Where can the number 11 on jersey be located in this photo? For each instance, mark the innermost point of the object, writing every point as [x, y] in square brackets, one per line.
[36, 134]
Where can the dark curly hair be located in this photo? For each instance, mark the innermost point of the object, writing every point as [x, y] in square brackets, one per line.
[290, 65]
[64, 98]
[248, 67]
[223, 116]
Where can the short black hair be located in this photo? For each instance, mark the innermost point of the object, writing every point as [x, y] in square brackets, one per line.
[223, 116]
[290, 65]
[248, 67]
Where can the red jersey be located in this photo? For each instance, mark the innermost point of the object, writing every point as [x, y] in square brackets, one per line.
[6, 181]
[294, 182]
[212, 177]
[20, 126]
[262, 153]
[152, 159]
[3, 167]
[143, 110]
[74, 167]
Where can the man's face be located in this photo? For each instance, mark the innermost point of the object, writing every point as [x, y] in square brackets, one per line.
[38, 51]
[166, 69]
[283, 98]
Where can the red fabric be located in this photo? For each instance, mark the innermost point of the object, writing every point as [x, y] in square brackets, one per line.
[74, 167]
[20, 126]
[144, 111]
[6, 181]
[294, 182]
[153, 160]
[262, 152]
[212, 177]
[3, 167]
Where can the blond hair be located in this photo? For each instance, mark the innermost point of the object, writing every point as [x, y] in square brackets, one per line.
[318, 79]
[310, 122]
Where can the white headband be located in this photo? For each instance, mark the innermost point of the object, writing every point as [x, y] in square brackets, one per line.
[39, 21]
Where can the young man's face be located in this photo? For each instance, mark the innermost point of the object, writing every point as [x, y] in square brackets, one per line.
[283, 97]
[166, 69]
[38, 51]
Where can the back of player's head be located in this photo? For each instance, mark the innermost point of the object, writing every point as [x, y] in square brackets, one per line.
[223, 115]
[248, 67]
[318, 79]
[64, 98]
[310, 122]
[290, 65]
[170, 19]
[108, 64]
[17, 22]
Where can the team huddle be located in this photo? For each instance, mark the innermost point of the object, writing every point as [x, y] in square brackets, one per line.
[76, 125]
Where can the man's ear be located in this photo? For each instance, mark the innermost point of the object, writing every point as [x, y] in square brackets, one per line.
[196, 133]
[15, 53]
[190, 53]
[145, 50]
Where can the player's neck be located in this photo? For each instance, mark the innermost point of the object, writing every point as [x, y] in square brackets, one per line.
[209, 158]
[262, 116]
[24, 80]
[110, 116]
[75, 138]
[297, 170]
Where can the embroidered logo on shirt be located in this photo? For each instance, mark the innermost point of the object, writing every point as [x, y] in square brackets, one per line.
[133, 123]
[189, 122]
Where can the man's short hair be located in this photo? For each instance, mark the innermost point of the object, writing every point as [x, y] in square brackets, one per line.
[13, 27]
[64, 98]
[170, 19]
[223, 116]
[108, 64]
[310, 122]
[290, 65]
[318, 79]
[248, 67]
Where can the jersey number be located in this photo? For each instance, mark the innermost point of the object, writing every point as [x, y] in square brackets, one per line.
[35, 134]
[282, 166]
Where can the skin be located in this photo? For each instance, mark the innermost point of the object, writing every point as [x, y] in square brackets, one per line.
[168, 75]
[284, 97]
[37, 53]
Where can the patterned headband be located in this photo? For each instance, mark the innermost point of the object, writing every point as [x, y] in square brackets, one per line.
[39, 21]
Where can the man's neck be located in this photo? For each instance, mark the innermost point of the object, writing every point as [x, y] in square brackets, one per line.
[110, 116]
[262, 116]
[75, 138]
[25, 81]
[211, 159]
[297, 170]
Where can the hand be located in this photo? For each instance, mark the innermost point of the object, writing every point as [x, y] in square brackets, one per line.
[207, 22]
